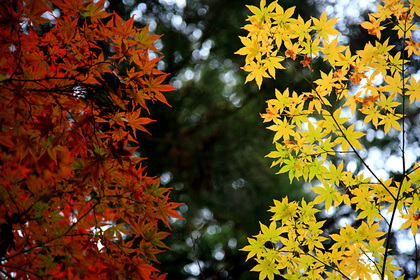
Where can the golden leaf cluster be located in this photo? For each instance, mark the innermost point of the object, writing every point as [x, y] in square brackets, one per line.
[312, 129]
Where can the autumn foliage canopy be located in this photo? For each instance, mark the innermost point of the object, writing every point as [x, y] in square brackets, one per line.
[316, 135]
[75, 199]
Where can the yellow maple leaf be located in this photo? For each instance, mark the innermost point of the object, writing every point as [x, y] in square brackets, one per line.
[262, 13]
[272, 232]
[326, 82]
[353, 101]
[272, 63]
[267, 268]
[413, 89]
[412, 220]
[346, 60]
[404, 26]
[311, 46]
[349, 138]
[332, 51]
[302, 28]
[390, 120]
[251, 48]
[258, 72]
[373, 26]
[256, 246]
[283, 210]
[388, 103]
[326, 193]
[324, 26]
[281, 16]
[372, 115]
[283, 129]
[332, 122]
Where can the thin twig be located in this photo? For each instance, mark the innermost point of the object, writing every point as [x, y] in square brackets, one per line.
[194, 241]
[397, 199]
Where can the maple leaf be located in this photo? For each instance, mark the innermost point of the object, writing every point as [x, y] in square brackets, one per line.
[314, 133]
[155, 88]
[263, 12]
[373, 26]
[283, 129]
[96, 11]
[311, 47]
[306, 62]
[282, 16]
[267, 269]
[324, 26]
[395, 85]
[256, 27]
[166, 209]
[148, 67]
[357, 75]
[272, 63]
[72, 8]
[412, 47]
[256, 246]
[372, 115]
[369, 101]
[413, 90]
[283, 210]
[366, 55]
[307, 210]
[404, 28]
[326, 193]
[35, 10]
[258, 72]
[271, 233]
[282, 100]
[326, 82]
[326, 148]
[292, 50]
[302, 28]
[145, 40]
[370, 212]
[415, 176]
[124, 29]
[146, 269]
[251, 48]
[396, 62]
[271, 113]
[314, 169]
[346, 60]
[349, 137]
[353, 101]
[334, 173]
[154, 236]
[390, 120]
[332, 51]
[135, 122]
[332, 122]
